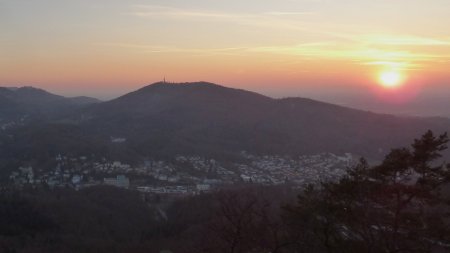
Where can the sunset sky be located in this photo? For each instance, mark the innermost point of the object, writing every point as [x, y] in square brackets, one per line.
[105, 48]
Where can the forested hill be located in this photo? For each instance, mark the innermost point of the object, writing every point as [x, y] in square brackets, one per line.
[207, 118]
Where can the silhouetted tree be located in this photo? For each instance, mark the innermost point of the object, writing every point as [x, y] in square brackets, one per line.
[246, 220]
[397, 206]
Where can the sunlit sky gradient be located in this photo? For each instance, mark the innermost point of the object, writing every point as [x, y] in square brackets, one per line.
[105, 48]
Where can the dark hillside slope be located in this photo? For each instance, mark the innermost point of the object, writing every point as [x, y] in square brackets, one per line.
[209, 119]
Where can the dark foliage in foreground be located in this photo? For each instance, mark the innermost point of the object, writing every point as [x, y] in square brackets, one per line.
[100, 218]
[401, 205]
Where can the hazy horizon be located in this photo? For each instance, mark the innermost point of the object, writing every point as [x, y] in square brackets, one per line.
[427, 104]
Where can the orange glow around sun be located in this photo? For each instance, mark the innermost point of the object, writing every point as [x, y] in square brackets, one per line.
[390, 79]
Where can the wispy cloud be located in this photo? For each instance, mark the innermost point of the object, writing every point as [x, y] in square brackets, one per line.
[146, 48]
[294, 21]
[289, 13]
[361, 54]
[406, 40]
[161, 10]
[165, 11]
[285, 20]
[333, 41]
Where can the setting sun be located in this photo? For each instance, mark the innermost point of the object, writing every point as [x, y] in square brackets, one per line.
[390, 79]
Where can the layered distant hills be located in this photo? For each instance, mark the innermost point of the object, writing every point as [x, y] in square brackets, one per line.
[166, 119]
[31, 102]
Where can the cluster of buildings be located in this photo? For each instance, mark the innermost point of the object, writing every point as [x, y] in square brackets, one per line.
[75, 172]
[185, 174]
[273, 170]
[7, 124]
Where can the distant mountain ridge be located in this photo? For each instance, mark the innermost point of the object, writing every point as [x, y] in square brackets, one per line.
[30, 101]
[206, 118]
[84, 100]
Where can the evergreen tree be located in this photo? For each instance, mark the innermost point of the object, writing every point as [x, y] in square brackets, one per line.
[397, 206]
